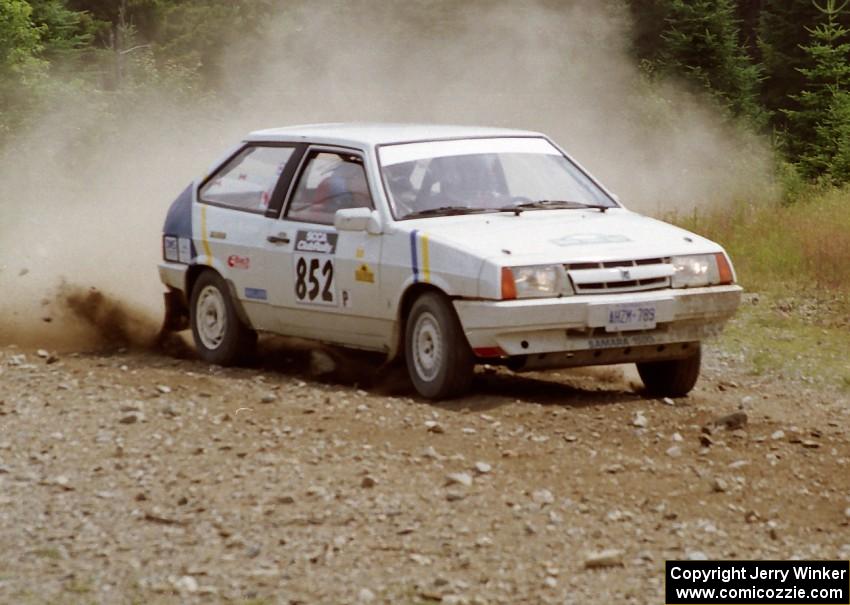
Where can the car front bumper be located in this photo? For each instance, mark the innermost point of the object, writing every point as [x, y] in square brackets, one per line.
[535, 327]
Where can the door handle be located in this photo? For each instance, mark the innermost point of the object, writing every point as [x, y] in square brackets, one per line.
[280, 238]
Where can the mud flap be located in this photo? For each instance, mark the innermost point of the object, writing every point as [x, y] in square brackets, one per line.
[176, 312]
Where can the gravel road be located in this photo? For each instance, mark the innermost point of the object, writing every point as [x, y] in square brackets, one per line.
[132, 477]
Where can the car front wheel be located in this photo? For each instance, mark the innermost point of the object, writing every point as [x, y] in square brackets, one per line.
[440, 363]
[220, 336]
[673, 378]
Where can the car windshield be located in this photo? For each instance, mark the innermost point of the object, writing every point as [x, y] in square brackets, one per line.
[479, 175]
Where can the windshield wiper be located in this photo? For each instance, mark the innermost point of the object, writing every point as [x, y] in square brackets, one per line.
[446, 211]
[552, 205]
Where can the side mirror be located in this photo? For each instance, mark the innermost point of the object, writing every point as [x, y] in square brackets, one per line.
[358, 219]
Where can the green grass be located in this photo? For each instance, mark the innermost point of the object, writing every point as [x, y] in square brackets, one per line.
[801, 247]
[805, 342]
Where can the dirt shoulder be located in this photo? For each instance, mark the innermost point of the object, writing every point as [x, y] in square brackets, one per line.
[138, 478]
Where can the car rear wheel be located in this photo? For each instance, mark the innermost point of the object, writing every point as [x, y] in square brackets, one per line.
[439, 361]
[220, 336]
[673, 378]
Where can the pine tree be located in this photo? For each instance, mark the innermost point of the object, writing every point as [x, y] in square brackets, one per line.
[64, 32]
[781, 34]
[21, 69]
[814, 130]
[701, 42]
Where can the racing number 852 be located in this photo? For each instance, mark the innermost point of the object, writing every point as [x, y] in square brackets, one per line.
[308, 285]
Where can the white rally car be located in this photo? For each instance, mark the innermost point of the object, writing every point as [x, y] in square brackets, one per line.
[448, 246]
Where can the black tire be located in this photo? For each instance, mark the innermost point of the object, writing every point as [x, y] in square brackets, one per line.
[674, 378]
[452, 365]
[235, 342]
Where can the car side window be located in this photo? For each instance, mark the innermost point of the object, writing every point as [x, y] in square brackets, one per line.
[247, 181]
[329, 182]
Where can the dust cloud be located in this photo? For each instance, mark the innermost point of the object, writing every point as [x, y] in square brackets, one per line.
[83, 199]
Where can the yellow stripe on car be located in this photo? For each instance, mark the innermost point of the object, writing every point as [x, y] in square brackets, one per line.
[205, 241]
[426, 265]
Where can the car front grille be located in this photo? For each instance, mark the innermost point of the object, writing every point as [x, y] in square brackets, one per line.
[635, 275]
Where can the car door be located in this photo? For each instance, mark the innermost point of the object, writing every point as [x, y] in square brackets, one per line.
[232, 209]
[327, 281]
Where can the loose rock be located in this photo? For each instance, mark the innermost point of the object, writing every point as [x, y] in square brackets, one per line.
[483, 468]
[464, 479]
[130, 418]
[730, 422]
[434, 427]
[605, 558]
[542, 497]
[187, 584]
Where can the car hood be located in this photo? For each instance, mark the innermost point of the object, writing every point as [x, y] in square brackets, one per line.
[558, 236]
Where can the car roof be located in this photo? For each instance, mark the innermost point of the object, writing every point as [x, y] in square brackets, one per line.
[372, 134]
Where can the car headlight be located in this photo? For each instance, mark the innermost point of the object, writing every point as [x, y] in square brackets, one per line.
[532, 282]
[701, 270]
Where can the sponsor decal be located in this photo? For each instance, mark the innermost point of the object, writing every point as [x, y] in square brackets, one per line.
[590, 239]
[621, 341]
[360, 253]
[319, 242]
[234, 261]
[364, 273]
[218, 235]
[256, 294]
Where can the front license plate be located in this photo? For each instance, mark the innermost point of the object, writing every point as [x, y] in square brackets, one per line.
[633, 316]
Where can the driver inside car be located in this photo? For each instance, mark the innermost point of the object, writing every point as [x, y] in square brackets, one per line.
[472, 181]
[345, 187]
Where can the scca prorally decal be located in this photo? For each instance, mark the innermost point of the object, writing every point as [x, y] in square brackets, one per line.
[319, 242]
[256, 294]
[234, 261]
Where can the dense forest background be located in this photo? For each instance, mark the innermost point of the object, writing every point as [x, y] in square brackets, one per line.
[779, 67]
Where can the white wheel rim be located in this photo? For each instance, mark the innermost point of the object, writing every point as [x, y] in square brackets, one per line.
[211, 317]
[427, 347]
